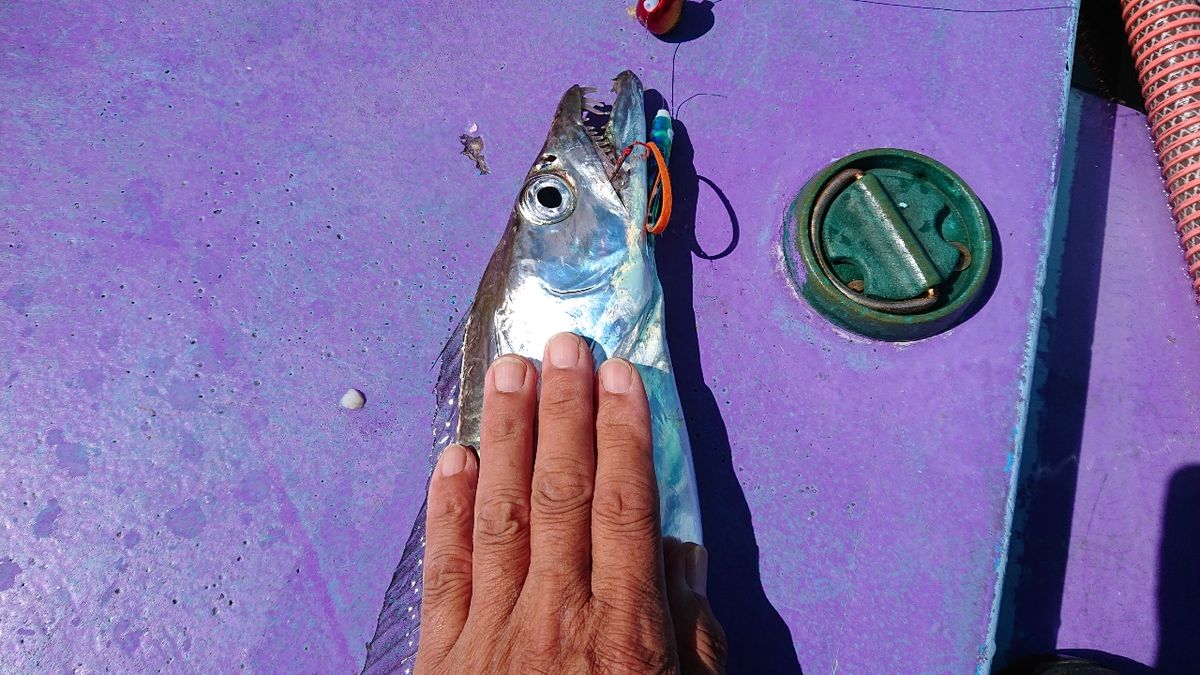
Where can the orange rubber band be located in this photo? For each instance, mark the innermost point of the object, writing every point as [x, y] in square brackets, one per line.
[662, 180]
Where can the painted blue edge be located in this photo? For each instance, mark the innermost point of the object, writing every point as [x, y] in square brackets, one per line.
[1066, 142]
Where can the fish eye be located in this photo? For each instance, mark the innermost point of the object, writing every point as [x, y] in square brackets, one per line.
[547, 198]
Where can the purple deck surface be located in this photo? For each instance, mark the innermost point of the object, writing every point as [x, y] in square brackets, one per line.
[217, 218]
[1115, 459]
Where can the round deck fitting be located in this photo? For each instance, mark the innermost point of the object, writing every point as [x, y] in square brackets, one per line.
[888, 243]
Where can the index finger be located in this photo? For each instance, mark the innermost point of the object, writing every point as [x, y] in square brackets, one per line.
[626, 541]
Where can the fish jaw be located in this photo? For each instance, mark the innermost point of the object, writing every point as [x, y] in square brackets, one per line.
[627, 126]
[589, 135]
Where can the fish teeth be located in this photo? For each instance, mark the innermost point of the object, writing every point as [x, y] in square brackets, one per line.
[598, 123]
[590, 104]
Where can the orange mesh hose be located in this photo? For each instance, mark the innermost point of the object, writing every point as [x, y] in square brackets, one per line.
[1165, 38]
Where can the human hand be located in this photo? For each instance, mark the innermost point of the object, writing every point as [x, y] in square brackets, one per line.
[556, 564]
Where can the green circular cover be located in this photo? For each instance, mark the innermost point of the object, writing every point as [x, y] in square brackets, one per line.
[903, 247]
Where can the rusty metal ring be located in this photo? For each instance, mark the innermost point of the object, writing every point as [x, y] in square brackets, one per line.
[825, 197]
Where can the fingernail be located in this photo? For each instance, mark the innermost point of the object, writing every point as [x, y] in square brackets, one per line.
[697, 570]
[616, 375]
[509, 373]
[453, 461]
[564, 350]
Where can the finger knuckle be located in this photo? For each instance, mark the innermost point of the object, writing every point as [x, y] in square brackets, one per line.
[624, 434]
[447, 572]
[505, 428]
[564, 398]
[502, 519]
[627, 504]
[451, 507]
[562, 492]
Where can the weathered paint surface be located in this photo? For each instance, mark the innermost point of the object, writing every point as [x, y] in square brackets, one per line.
[1115, 464]
[217, 218]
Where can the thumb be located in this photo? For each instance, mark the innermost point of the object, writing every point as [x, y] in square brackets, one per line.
[701, 640]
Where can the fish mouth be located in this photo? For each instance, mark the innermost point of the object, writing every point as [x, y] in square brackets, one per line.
[610, 127]
[596, 118]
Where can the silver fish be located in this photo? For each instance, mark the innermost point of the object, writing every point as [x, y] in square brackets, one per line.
[575, 257]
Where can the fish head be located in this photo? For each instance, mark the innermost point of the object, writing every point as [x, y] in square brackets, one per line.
[581, 211]
[575, 255]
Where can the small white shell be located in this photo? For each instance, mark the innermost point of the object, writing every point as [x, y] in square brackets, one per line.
[353, 399]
